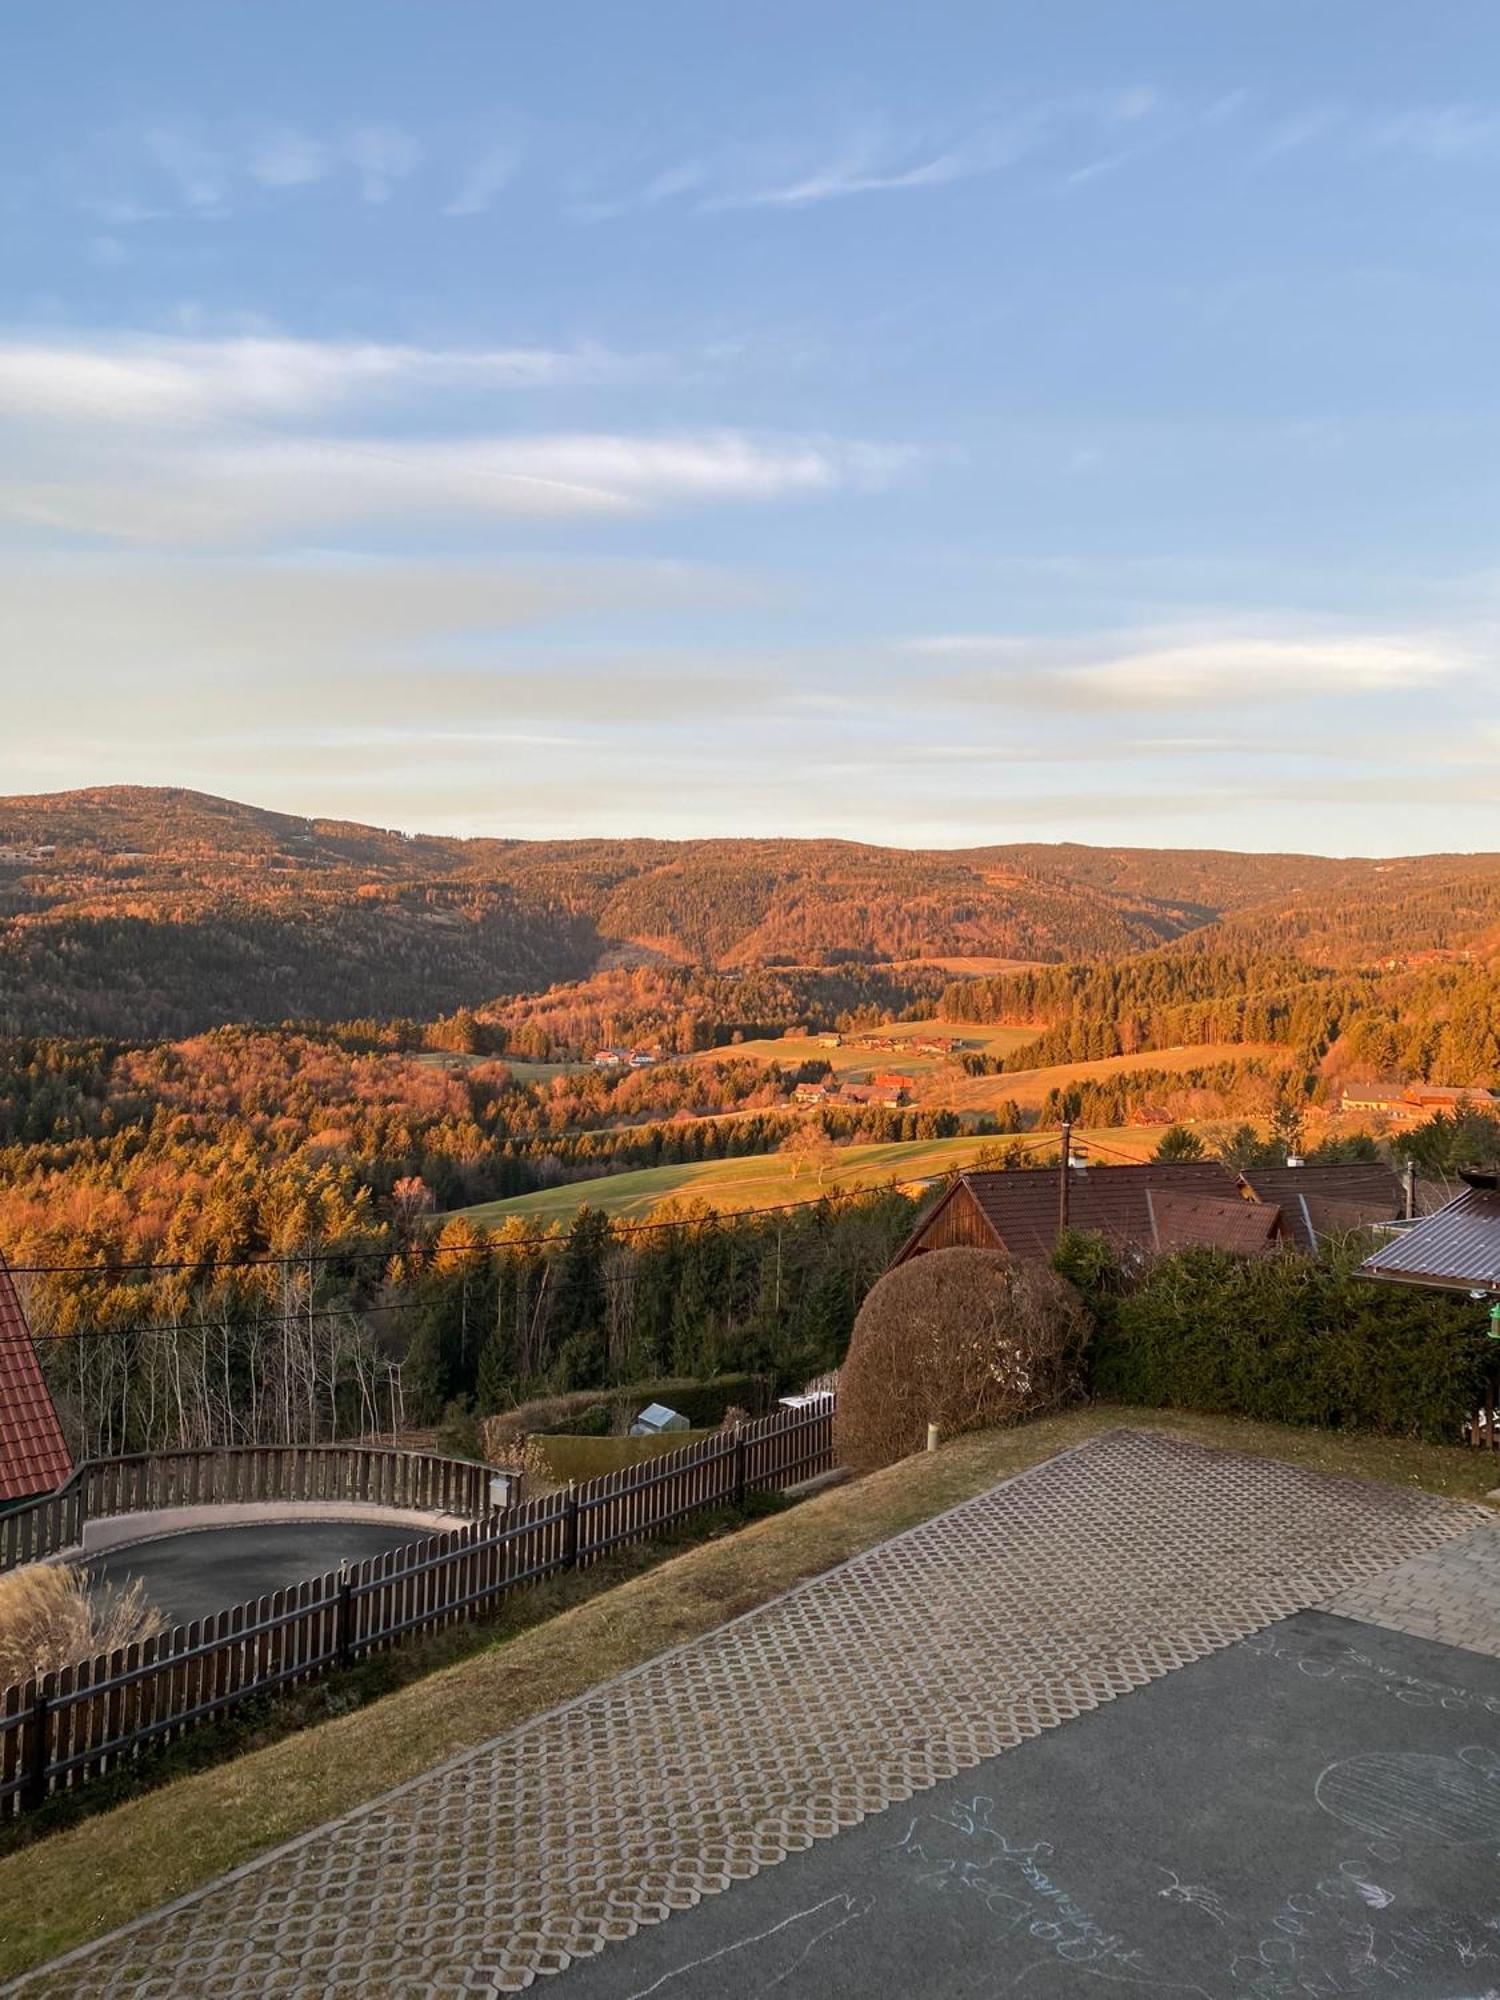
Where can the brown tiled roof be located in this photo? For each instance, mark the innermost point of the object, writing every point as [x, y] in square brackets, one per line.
[1222, 1222]
[1457, 1248]
[1021, 1206]
[34, 1455]
[1321, 1201]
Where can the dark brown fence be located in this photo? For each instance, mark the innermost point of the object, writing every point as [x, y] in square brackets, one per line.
[78, 1724]
[105, 1487]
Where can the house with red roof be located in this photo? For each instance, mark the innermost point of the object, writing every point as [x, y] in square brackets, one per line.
[34, 1454]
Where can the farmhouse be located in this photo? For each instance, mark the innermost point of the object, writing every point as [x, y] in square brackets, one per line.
[813, 1093]
[34, 1455]
[1162, 1206]
[1410, 1103]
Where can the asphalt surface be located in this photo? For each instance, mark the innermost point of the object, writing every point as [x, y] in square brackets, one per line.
[194, 1575]
[1312, 1812]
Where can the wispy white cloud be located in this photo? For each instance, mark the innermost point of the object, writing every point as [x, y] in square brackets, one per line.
[148, 378]
[199, 174]
[283, 158]
[1187, 668]
[382, 156]
[229, 491]
[167, 170]
[1442, 132]
[487, 178]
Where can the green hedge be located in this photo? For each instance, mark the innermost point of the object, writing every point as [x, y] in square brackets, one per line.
[1284, 1339]
[607, 1412]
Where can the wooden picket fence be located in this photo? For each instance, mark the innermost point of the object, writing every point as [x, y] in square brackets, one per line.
[105, 1487]
[73, 1726]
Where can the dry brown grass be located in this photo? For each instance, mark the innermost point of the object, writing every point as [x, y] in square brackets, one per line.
[50, 1618]
[964, 1339]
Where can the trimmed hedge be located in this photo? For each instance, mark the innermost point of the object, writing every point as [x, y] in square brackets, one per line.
[609, 1412]
[1284, 1339]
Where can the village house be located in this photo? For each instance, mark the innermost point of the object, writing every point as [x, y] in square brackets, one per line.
[1412, 1103]
[893, 1083]
[814, 1093]
[1161, 1206]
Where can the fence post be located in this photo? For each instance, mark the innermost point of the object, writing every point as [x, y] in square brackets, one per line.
[739, 1466]
[570, 1538]
[344, 1622]
[36, 1761]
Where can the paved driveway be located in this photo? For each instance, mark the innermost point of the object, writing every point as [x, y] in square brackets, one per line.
[1101, 1571]
[194, 1575]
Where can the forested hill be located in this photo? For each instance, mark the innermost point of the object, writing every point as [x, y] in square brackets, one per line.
[131, 911]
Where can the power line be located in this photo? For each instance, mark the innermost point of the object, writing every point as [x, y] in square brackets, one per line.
[426, 1250]
[552, 1239]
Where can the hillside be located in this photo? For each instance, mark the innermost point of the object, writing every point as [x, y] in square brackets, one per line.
[133, 911]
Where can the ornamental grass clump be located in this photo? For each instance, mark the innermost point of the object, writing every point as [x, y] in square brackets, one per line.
[965, 1339]
[51, 1617]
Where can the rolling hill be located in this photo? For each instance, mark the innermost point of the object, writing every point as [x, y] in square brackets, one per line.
[134, 911]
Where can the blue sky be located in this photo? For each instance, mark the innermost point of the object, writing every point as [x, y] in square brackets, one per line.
[938, 426]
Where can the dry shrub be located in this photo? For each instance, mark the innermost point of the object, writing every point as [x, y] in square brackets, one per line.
[965, 1339]
[50, 1617]
[528, 1456]
[734, 1416]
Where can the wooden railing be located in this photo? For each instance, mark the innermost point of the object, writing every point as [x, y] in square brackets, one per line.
[104, 1487]
[69, 1727]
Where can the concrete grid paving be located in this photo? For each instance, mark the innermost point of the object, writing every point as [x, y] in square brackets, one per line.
[1092, 1574]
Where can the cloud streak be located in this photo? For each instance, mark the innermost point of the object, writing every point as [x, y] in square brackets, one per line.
[223, 493]
[147, 379]
[1190, 668]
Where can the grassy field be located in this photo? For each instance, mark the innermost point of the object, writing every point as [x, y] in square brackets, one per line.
[847, 1060]
[586, 1457]
[766, 1180]
[1029, 1087]
[523, 1072]
[71, 1886]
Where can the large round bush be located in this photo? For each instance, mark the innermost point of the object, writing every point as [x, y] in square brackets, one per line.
[965, 1339]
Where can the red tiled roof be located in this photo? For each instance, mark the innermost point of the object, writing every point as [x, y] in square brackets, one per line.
[1182, 1221]
[34, 1455]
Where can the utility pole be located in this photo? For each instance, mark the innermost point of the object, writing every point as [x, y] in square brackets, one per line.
[1409, 1179]
[1062, 1176]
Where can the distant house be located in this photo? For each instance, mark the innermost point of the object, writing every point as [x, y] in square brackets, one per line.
[1411, 1103]
[893, 1082]
[1156, 1208]
[643, 1058]
[830, 1041]
[812, 1093]
[34, 1454]
[611, 1059]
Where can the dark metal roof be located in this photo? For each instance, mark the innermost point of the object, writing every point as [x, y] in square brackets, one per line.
[1182, 1221]
[34, 1455]
[1324, 1201]
[1458, 1248]
[1021, 1207]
